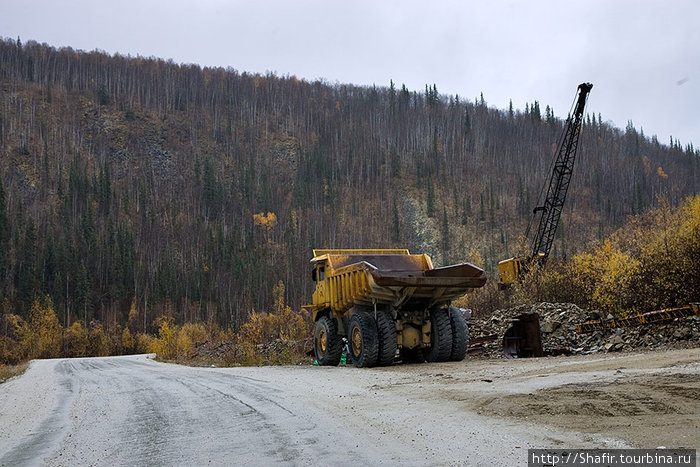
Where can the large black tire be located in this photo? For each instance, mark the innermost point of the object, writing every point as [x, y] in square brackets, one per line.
[440, 337]
[363, 340]
[460, 335]
[328, 345]
[386, 331]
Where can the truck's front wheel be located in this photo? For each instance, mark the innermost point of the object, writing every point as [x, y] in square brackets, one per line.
[362, 334]
[328, 345]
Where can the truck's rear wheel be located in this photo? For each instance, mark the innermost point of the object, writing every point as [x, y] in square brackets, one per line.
[460, 335]
[386, 330]
[363, 340]
[328, 345]
[440, 337]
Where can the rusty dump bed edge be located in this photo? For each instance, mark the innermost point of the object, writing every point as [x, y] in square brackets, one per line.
[409, 271]
[456, 275]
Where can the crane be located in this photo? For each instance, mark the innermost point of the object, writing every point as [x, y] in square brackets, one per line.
[513, 269]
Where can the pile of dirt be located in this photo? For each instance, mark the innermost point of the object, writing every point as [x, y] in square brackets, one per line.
[558, 332]
[214, 351]
[228, 353]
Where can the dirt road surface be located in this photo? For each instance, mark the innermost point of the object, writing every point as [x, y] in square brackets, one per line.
[135, 411]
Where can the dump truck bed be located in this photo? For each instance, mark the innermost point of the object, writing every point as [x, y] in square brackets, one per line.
[391, 277]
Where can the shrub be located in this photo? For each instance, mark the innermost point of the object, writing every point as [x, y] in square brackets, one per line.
[651, 263]
[98, 342]
[128, 341]
[286, 328]
[165, 345]
[10, 351]
[144, 343]
[16, 342]
[189, 335]
[75, 340]
[46, 330]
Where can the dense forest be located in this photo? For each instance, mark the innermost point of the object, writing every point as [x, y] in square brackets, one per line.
[161, 189]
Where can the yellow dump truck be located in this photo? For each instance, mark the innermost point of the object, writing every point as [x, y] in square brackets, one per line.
[381, 301]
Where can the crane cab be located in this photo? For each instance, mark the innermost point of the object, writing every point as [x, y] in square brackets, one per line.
[510, 270]
[513, 270]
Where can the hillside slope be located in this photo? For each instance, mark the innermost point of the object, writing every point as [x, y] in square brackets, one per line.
[191, 192]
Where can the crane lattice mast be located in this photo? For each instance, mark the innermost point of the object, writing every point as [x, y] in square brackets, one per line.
[559, 181]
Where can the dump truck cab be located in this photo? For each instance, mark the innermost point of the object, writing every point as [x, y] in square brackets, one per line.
[318, 276]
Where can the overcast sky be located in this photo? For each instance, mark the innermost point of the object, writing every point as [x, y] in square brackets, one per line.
[642, 56]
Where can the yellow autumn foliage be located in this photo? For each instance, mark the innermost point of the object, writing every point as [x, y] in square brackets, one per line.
[12, 349]
[612, 291]
[188, 336]
[165, 344]
[98, 341]
[283, 325]
[652, 263]
[46, 331]
[128, 341]
[267, 221]
[144, 343]
[75, 340]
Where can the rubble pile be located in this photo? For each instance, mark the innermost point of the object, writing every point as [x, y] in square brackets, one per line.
[558, 332]
[228, 353]
[280, 351]
[213, 351]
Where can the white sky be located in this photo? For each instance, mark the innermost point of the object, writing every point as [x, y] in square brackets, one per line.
[642, 56]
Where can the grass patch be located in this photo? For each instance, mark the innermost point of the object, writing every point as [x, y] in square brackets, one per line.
[10, 371]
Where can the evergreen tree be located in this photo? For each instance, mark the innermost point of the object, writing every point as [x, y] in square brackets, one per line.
[445, 234]
[105, 189]
[436, 150]
[466, 210]
[82, 293]
[511, 113]
[395, 160]
[430, 203]
[4, 238]
[467, 123]
[26, 280]
[210, 187]
[535, 112]
[48, 266]
[549, 115]
[396, 232]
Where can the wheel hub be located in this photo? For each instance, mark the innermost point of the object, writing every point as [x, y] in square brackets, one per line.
[356, 339]
[322, 341]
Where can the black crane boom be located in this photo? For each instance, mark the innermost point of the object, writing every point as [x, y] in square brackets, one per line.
[559, 181]
[513, 269]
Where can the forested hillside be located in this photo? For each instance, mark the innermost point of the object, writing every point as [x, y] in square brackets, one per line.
[192, 192]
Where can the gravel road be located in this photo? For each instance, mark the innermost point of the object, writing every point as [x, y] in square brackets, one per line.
[135, 411]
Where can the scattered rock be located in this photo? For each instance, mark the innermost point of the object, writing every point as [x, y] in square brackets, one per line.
[616, 339]
[558, 321]
[549, 326]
